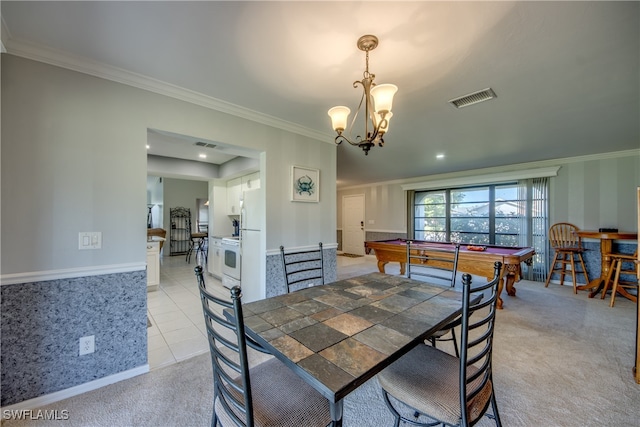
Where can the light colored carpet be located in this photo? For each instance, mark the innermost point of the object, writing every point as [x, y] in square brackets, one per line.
[560, 360]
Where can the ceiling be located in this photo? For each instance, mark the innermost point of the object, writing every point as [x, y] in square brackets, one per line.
[566, 74]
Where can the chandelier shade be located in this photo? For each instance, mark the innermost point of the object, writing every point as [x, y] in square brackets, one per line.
[383, 97]
[377, 101]
[339, 116]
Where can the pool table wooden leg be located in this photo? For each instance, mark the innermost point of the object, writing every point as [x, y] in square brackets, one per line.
[501, 284]
[508, 277]
[511, 290]
[381, 265]
[500, 287]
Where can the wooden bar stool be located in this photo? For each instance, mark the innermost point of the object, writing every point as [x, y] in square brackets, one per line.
[618, 262]
[567, 245]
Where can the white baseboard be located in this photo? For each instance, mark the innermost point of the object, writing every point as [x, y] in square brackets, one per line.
[69, 273]
[47, 399]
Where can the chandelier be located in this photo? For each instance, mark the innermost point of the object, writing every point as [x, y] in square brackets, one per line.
[377, 100]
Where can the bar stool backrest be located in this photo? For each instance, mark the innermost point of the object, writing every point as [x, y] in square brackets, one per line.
[564, 235]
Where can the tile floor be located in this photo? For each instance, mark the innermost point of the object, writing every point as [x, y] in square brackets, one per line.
[177, 330]
[177, 327]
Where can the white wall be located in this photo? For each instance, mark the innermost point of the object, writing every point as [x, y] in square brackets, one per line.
[74, 159]
[598, 193]
[296, 223]
[385, 207]
[589, 191]
[183, 193]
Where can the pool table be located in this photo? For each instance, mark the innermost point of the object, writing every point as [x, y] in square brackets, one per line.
[473, 262]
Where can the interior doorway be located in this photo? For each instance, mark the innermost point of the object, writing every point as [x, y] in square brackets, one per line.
[353, 224]
[202, 221]
[175, 179]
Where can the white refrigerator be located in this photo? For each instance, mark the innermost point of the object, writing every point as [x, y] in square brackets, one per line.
[252, 218]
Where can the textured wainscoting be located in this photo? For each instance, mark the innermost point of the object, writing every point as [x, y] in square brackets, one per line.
[275, 281]
[42, 323]
[592, 256]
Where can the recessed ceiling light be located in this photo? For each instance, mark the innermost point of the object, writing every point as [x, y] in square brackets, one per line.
[148, 146]
[202, 156]
[439, 156]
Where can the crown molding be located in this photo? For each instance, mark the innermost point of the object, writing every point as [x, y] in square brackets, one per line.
[83, 65]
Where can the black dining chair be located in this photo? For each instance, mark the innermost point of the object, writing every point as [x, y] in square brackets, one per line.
[303, 268]
[454, 391]
[438, 265]
[266, 395]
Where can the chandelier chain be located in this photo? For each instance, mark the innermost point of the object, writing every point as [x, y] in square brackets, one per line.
[366, 68]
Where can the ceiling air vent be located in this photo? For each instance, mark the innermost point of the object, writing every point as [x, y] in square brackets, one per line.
[204, 144]
[473, 98]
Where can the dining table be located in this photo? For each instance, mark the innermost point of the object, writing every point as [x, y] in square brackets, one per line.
[606, 238]
[339, 335]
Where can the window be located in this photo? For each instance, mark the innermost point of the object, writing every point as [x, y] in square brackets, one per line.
[505, 214]
[489, 215]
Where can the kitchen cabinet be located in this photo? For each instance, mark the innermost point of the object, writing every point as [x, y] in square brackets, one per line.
[234, 191]
[250, 182]
[153, 265]
[215, 257]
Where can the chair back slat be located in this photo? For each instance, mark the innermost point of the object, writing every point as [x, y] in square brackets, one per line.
[564, 235]
[433, 262]
[228, 354]
[476, 346]
[303, 268]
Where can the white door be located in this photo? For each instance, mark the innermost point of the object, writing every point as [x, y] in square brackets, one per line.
[353, 224]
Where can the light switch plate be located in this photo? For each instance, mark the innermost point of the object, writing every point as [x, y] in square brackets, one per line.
[90, 240]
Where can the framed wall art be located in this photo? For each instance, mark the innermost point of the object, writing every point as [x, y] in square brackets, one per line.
[305, 184]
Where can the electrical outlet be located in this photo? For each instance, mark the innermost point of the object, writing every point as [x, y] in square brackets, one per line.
[87, 345]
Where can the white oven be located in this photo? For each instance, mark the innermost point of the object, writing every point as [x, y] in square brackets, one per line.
[231, 260]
